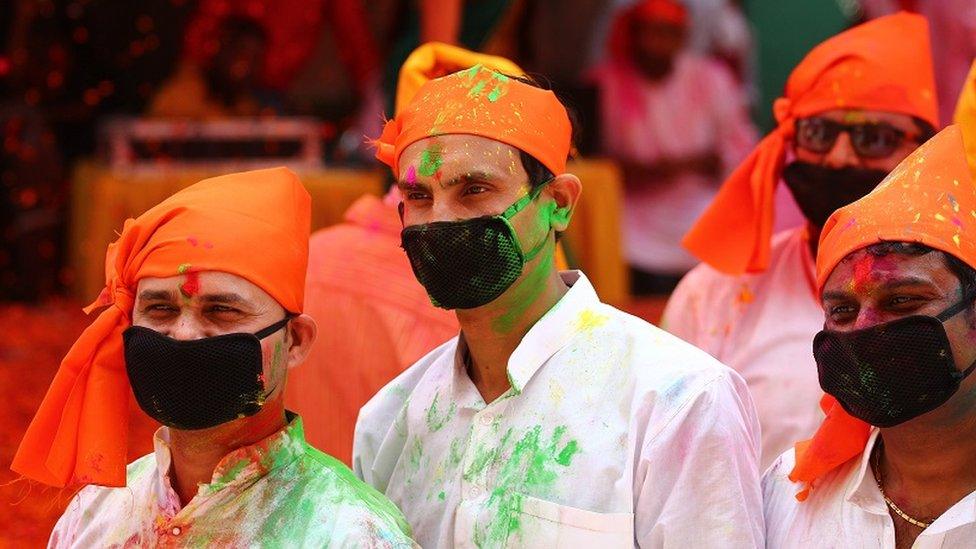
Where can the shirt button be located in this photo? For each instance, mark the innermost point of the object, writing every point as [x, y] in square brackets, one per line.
[474, 492]
[177, 531]
[486, 419]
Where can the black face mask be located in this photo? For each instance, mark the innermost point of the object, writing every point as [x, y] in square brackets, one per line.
[467, 264]
[198, 383]
[893, 372]
[820, 191]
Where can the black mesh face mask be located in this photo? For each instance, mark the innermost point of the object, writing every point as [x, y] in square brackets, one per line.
[893, 372]
[819, 190]
[200, 383]
[467, 264]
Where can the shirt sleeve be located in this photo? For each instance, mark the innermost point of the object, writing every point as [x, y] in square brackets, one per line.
[697, 481]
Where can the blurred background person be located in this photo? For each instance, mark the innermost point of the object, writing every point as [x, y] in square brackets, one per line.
[676, 123]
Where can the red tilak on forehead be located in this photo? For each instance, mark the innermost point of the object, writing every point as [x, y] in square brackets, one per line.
[191, 286]
[862, 271]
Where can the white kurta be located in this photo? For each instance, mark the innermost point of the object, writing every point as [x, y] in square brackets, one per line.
[613, 434]
[846, 509]
[762, 326]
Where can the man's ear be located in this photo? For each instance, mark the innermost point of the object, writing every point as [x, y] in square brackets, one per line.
[565, 189]
[301, 330]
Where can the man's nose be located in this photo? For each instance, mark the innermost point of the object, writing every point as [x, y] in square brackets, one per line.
[842, 154]
[443, 210]
[867, 317]
[187, 328]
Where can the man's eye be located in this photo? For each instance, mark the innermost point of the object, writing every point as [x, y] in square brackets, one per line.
[416, 195]
[157, 308]
[842, 310]
[475, 189]
[902, 300]
[222, 309]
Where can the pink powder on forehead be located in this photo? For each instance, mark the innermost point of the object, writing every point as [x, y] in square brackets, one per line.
[862, 271]
[191, 286]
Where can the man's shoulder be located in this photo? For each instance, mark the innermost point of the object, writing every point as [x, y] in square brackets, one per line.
[395, 394]
[352, 503]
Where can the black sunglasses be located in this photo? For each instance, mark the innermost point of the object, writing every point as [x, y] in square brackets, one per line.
[869, 139]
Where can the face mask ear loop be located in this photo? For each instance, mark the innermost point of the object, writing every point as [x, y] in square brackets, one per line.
[519, 206]
[274, 327]
[957, 308]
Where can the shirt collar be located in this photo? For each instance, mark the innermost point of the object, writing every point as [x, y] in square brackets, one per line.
[568, 317]
[373, 213]
[243, 465]
[864, 493]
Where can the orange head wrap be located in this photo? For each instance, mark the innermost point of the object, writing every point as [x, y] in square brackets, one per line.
[929, 199]
[481, 101]
[965, 116]
[78, 435]
[620, 41]
[436, 59]
[882, 65]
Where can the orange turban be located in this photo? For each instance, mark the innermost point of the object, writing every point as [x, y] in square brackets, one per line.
[481, 101]
[965, 116]
[883, 65]
[254, 225]
[930, 199]
[436, 59]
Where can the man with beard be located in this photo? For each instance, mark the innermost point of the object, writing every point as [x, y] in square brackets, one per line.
[552, 419]
[894, 463]
[855, 106]
[676, 123]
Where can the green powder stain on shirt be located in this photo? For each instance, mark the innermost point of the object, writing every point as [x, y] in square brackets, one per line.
[431, 160]
[532, 468]
[437, 420]
[230, 475]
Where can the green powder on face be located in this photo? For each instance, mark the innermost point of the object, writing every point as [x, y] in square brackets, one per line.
[528, 290]
[435, 419]
[533, 468]
[431, 160]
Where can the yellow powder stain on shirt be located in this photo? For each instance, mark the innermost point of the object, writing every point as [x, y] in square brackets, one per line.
[940, 217]
[556, 392]
[588, 320]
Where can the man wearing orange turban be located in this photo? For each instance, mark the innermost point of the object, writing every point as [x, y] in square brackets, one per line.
[374, 317]
[894, 462]
[854, 107]
[552, 418]
[203, 319]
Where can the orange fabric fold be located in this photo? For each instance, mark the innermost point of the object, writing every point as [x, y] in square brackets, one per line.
[965, 116]
[254, 225]
[882, 65]
[930, 199]
[483, 102]
[435, 59]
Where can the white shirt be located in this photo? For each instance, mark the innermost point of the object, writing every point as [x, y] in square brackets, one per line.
[613, 434]
[846, 510]
[279, 492]
[762, 326]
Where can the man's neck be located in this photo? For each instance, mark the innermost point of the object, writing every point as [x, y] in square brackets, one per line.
[930, 466]
[195, 454]
[494, 331]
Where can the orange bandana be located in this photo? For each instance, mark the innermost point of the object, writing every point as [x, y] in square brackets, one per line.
[965, 116]
[436, 59]
[929, 199]
[78, 435]
[883, 65]
[480, 101]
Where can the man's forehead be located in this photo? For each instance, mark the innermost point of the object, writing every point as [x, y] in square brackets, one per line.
[457, 153]
[863, 268]
[191, 283]
[860, 116]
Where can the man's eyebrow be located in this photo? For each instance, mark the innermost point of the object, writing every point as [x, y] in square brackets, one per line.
[837, 295]
[227, 298]
[156, 295]
[476, 175]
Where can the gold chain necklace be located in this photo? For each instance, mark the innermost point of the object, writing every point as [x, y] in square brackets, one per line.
[891, 505]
